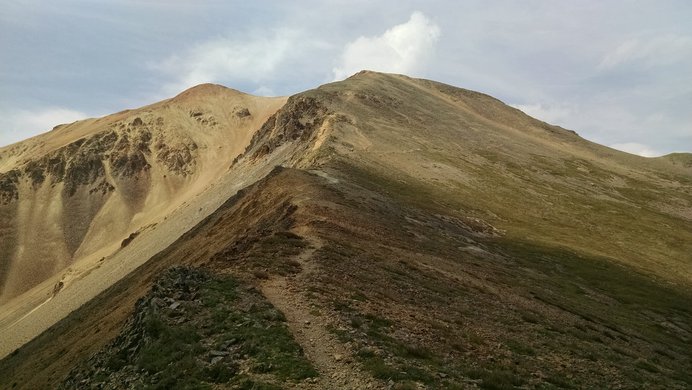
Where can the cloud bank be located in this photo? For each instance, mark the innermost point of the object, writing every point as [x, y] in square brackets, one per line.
[555, 114]
[615, 74]
[230, 60]
[404, 48]
[637, 148]
[17, 125]
[649, 52]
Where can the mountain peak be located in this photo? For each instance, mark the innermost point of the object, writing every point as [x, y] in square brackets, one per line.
[206, 89]
[365, 72]
[370, 74]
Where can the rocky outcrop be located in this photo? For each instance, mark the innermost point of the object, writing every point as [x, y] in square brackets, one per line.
[242, 112]
[124, 150]
[179, 159]
[128, 156]
[115, 366]
[8, 186]
[297, 120]
[84, 163]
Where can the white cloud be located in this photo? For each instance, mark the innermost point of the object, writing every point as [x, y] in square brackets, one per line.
[230, 59]
[652, 51]
[16, 125]
[403, 48]
[263, 90]
[637, 148]
[554, 114]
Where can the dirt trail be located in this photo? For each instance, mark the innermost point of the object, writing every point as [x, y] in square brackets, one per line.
[332, 359]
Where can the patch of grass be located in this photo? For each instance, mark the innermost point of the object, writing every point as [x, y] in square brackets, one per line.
[260, 333]
[520, 348]
[665, 353]
[219, 373]
[377, 322]
[405, 385]
[274, 253]
[365, 353]
[342, 306]
[623, 352]
[560, 382]
[341, 334]
[684, 376]
[530, 317]
[193, 345]
[413, 351]
[645, 365]
[169, 344]
[260, 274]
[473, 338]
[636, 293]
[379, 369]
[358, 296]
[250, 384]
[496, 378]
[397, 360]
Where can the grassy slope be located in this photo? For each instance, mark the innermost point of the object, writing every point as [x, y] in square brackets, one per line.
[195, 330]
[499, 309]
[540, 183]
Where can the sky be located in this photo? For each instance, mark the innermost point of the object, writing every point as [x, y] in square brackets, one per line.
[617, 72]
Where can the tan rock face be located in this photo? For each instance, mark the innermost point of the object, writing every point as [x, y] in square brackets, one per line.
[82, 187]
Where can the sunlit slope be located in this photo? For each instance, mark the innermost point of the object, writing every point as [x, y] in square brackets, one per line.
[79, 190]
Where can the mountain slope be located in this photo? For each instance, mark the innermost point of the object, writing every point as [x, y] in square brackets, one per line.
[428, 236]
[413, 296]
[79, 190]
[541, 182]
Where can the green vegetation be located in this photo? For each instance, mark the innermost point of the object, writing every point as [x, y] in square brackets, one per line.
[502, 312]
[214, 327]
[273, 252]
[635, 300]
[390, 358]
[496, 379]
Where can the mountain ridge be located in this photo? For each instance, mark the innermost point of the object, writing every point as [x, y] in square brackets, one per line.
[427, 200]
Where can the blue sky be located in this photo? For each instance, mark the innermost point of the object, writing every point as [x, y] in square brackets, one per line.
[617, 72]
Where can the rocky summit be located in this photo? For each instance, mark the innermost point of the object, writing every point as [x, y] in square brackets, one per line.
[382, 232]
